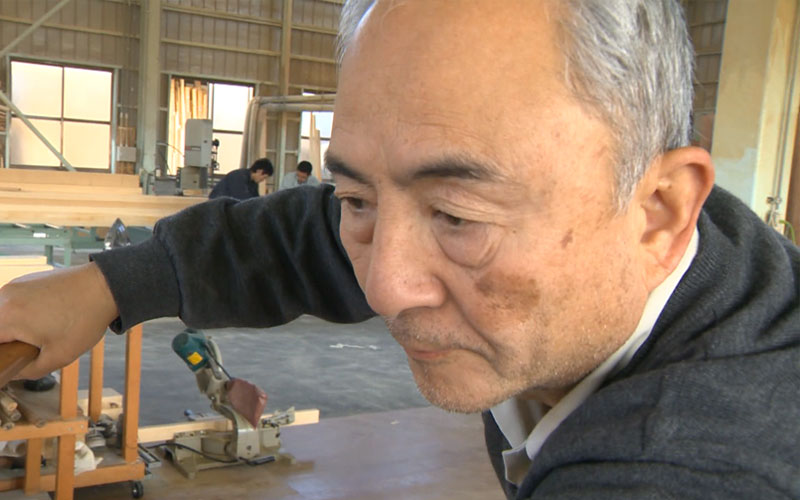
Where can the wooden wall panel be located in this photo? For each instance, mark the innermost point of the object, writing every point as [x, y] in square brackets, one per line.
[225, 40]
[316, 13]
[706, 20]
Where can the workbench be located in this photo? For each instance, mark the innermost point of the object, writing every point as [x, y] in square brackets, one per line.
[418, 453]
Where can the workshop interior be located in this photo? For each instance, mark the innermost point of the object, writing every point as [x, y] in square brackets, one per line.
[117, 113]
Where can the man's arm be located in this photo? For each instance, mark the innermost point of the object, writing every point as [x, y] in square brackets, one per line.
[257, 263]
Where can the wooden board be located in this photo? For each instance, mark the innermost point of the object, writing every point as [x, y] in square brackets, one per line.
[23, 260]
[14, 266]
[12, 187]
[157, 433]
[25, 176]
[95, 198]
[8, 273]
[421, 453]
[91, 213]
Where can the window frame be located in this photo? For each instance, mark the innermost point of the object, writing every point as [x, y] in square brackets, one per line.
[63, 65]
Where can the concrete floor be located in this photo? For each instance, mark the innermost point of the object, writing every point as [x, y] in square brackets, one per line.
[308, 363]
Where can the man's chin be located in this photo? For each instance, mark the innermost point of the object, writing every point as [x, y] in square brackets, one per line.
[458, 392]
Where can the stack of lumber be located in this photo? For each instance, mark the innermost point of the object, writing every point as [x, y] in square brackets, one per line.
[81, 199]
[126, 137]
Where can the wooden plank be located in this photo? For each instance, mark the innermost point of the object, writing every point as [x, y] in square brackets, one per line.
[82, 216]
[24, 176]
[33, 466]
[22, 260]
[68, 409]
[49, 429]
[133, 369]
[68, 401]
[156, 433]
[8, 273]
[96, 380]
[95, 199]
[11, 187]
[65, 467]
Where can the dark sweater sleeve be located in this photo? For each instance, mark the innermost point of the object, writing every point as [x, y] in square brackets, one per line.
[254, 263]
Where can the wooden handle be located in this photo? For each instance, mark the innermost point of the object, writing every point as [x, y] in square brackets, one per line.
[14, 356]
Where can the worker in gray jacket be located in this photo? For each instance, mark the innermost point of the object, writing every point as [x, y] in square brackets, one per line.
[529, 219]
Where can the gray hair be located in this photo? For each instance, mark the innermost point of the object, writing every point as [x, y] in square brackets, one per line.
[631, 62]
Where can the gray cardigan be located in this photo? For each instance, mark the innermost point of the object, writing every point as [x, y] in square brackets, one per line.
[708, 408]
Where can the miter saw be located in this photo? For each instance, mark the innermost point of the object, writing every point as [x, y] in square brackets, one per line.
[252, 439]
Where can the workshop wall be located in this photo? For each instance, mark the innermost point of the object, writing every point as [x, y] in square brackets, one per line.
[240, 41]
[237, 41]
[706, 19]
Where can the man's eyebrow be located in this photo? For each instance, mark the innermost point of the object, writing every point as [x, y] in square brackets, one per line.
[337, 166]
[460, 168]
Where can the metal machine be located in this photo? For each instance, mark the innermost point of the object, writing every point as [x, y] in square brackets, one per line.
[199, 158]
[252, 440]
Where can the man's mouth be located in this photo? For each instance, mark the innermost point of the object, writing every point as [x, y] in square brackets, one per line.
[426, 354]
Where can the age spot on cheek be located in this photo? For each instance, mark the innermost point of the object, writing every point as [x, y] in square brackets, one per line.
[505, 292]
[567, 239]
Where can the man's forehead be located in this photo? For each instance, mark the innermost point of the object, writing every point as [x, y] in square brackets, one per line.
[427, 61]
[419, 34]
[433, 80]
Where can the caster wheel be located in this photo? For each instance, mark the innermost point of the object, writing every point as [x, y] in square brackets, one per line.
[137, 489]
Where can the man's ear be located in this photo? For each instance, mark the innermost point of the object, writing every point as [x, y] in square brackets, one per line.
[670, 198]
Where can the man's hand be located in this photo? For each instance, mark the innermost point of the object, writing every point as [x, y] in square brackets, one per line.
[63, 312]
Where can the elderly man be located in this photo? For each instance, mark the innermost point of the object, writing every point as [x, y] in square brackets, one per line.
[516, 197]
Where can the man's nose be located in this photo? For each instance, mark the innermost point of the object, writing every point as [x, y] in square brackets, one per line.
[402, 269]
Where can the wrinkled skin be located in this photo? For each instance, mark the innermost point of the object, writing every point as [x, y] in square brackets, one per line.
[478, 202]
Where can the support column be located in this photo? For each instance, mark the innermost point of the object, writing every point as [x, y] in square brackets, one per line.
[149, 86]
[757, 104]
[286, 61]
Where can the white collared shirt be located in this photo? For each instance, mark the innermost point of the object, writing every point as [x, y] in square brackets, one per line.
[524, 422]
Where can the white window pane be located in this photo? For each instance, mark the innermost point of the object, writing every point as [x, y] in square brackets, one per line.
[87, 145]
[36, 88]
[230, 106]
[87, 94]
[229, 151]
[324, 123]
[27, 149]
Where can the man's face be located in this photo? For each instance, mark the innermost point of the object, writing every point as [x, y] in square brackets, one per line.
[477, 201]
[302, 177]
[258, 176]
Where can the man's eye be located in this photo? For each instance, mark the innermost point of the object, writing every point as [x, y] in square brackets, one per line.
[452, 220]
[354, 203]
